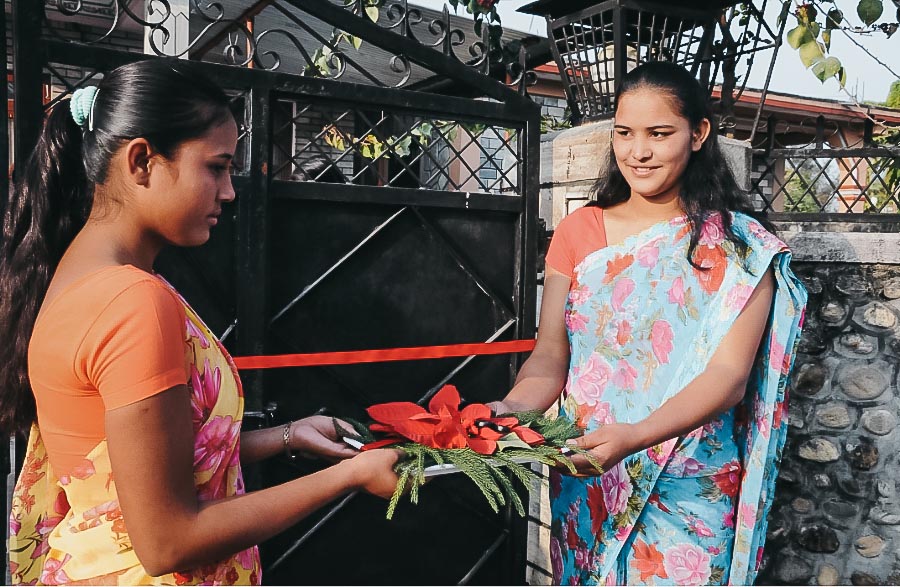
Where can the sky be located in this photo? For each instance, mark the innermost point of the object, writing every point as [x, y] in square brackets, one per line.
[866, 79]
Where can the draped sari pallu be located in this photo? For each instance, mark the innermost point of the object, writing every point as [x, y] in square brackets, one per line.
[642, 324]
[69, 530]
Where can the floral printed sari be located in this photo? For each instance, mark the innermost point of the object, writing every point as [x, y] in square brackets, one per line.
[642, 324]
[69, 530]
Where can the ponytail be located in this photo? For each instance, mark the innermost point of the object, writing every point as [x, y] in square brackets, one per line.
[49, 205]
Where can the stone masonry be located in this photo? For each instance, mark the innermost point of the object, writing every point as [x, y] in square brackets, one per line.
[836, 514]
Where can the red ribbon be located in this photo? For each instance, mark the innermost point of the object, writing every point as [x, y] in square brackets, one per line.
[382, 355]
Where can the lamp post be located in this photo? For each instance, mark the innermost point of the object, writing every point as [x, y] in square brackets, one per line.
[595, 43]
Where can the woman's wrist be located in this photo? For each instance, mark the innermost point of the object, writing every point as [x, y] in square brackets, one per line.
[354, 474]
[642, 435]
[286, 436]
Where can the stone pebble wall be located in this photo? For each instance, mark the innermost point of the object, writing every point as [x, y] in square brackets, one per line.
[836, 515]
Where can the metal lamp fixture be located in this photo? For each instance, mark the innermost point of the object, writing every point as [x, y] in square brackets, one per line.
[596, 43]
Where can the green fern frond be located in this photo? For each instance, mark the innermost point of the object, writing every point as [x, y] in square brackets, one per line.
[395, 498]
[476, 470]
[506, 486]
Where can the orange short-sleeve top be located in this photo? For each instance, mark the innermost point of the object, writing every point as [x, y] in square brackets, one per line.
[578, 235]
[112, 338]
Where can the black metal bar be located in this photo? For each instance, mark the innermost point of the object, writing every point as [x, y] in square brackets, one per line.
[4, 99]
[308, 534]
[525, 296]
[868, 131]
[820, 132]
[669, 9]
[281, 312]
[499, 303]
[485, 557]
[620, 49]
[252, 275]
[417, 52]
[27, 96]
[391, 196]
[576, 114]
[330, 91]
[672, 9]
[829, 153]
[892, 220]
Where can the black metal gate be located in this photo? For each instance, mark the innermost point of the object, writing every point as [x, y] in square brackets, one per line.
[371, 213]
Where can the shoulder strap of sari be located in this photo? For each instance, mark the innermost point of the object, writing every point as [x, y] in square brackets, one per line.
[766, 425]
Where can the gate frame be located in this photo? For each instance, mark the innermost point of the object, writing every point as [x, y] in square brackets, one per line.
[31, 50]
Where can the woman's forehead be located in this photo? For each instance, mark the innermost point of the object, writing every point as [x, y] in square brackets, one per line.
[647, 107]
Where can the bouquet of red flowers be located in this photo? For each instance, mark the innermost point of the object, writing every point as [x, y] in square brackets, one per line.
[489, 449]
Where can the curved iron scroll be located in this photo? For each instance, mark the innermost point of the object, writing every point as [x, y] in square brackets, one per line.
[230, 30]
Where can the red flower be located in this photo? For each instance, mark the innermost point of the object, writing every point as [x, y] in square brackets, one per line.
[647, 560]
[713, 262]
[654, 499]
[439, 427]
[728, 479]
[443, 425]
[572, 534]
[617, 265]
[597, 507]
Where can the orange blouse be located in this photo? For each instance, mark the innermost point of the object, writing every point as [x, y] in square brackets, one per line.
[578, 235]
[109, 339]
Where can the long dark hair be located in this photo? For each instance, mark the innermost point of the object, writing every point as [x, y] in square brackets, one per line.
[165, 101]
[707, 185]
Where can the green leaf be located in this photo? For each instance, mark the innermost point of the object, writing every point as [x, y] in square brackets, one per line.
[511, 441]
[834, 19]
[356, 42]
[401, 147]
[869, 10]
[799, 36]
[814, 29]
[827, 68]
[423, 130]
[811, 52]
[372, 13]
[842, 77]
[826, 38]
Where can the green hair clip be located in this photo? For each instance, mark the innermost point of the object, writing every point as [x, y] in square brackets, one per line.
[81, 104]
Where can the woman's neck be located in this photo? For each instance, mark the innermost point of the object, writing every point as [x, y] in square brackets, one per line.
[115, 241]
[652, 210]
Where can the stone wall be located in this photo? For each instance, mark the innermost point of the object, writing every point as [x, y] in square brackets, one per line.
[836, 515]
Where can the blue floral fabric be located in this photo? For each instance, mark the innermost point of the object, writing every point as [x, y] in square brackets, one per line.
[642, 324]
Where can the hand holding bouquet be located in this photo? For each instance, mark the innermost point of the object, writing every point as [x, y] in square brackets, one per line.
[488, 449]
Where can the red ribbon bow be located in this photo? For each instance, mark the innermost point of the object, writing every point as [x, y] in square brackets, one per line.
[444, 425]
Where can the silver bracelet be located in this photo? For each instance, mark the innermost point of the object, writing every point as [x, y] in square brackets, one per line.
[286, 437]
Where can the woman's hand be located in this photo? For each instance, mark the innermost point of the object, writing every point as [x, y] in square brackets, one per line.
[498, 408]
[315, 437]
[374, 471]
[609, 444]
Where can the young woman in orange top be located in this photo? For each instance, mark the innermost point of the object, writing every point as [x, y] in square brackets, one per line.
[133, 468]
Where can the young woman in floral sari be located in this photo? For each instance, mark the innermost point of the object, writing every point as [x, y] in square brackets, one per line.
[668, 323]
[133, 468]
